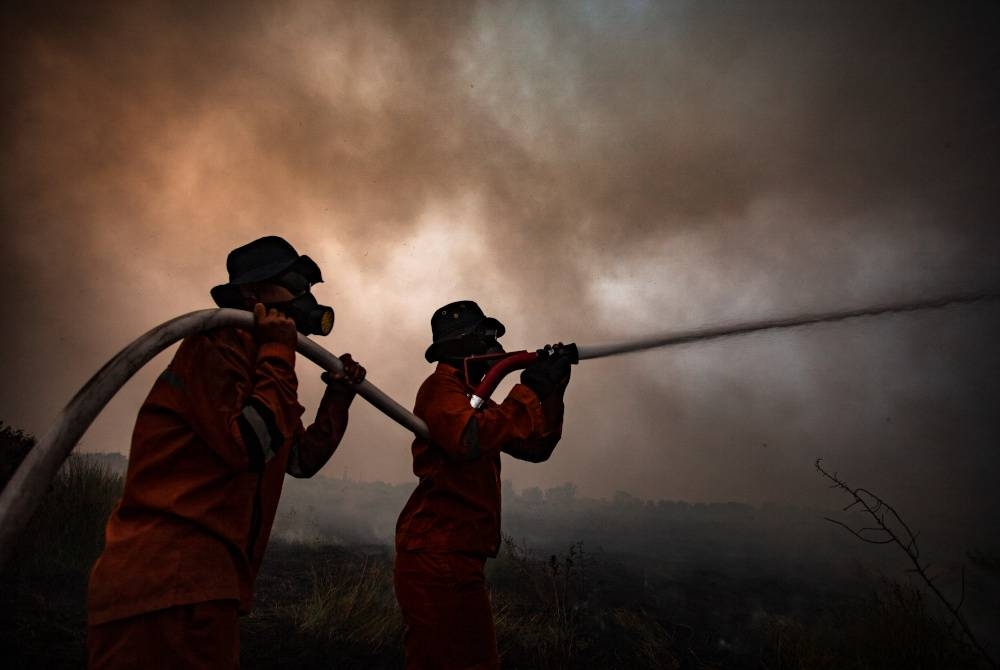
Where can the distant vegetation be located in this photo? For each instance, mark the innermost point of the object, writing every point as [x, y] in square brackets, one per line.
[43, 588]
[579, 583]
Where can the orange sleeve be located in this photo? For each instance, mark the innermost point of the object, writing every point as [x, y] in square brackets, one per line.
[240, 399]
[465, 433]
[539, 446]
[312, 447]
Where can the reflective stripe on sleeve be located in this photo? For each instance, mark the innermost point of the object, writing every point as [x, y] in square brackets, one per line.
[294, 467]
[260, 434]
[470, 438]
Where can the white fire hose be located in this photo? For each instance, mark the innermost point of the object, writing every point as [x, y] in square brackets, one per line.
[29, 484]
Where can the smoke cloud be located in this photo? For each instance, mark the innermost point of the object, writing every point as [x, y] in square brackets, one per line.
[586, 171]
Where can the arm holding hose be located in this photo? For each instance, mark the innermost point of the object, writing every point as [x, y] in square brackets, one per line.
[548, 377]
[251, 381]
[464, 433]
[28, 485]
[526, 425]
[240, 399]
[312, 447]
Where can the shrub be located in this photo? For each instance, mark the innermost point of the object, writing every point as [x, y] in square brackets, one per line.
[14, 446]
[66, 533]
[43, 586]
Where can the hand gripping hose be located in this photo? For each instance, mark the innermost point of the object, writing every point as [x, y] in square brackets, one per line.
[34, 476]
[515, 360]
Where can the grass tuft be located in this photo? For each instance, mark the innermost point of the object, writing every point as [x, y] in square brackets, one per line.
[353, 603]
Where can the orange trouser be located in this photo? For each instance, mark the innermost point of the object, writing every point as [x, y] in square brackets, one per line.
[446, 609]
[200, 635]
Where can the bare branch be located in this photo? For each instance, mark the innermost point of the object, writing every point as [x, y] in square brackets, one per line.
[858, 534]
[898, 532]
[961, 600]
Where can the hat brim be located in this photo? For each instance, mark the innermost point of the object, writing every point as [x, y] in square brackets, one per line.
[228, 295]
[431, 355]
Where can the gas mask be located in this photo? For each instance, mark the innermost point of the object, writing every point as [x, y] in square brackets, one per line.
[310, 317]
[474, 353]
[481, 341]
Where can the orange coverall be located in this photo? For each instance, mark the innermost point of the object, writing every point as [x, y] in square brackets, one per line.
[451, 523]
[212, 443]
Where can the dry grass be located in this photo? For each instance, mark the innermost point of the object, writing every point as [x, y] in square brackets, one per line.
[891, 629]
[351, 603]
[324, 607]
[67, 531]
[43, 587]
[554, 614]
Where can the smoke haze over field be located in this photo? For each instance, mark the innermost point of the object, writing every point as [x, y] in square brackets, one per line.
[587, 171]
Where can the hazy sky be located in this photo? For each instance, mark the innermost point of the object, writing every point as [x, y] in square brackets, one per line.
[587, 171]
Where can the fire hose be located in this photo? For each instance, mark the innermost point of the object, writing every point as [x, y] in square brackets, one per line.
[33, 477]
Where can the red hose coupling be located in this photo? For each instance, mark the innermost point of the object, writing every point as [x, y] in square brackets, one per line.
[516, 360]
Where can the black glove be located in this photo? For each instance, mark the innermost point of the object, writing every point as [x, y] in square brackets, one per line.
[550, 373]
[352, 374]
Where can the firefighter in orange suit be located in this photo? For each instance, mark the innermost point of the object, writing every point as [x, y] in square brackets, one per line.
[211, 446]
[451, 523]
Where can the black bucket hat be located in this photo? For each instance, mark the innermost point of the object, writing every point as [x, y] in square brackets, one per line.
[455, 320]
[262, 259]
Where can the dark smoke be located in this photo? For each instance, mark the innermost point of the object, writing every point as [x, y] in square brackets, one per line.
[587, 171]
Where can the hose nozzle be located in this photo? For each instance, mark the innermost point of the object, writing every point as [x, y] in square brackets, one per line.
[517, 360]
[568, 350]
